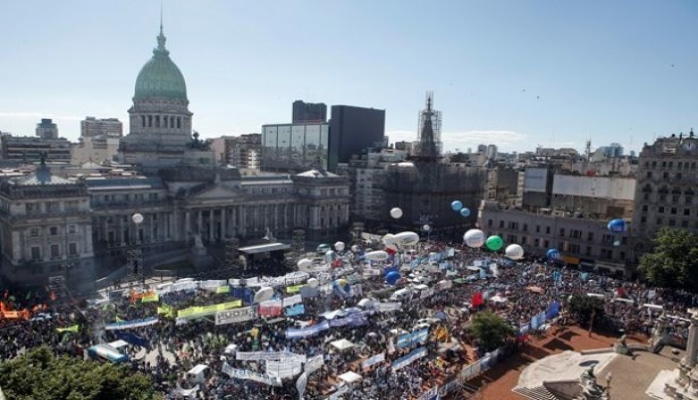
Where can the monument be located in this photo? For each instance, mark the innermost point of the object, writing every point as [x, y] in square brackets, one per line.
[684, 382]
[199, 256]
[591, 390]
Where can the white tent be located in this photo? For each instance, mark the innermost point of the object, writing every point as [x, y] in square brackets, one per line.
[342, 345]
[118, 344]
[350, 377]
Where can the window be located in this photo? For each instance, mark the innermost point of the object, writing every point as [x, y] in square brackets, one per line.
[689, 200]
[562, 232]
[72, 249]
[643, 220]
[36, 253]
[72, 229]
[661, 210]
[675, 198]
[590, 236]
[34, 232]
[53, 231]
[501, 224]
[672, 222]
[547, 230]
[687, 211]
[588, 251]
[536, 242]
[659, 221]
[644, 208]
[673, 210]
[55, 252]
[684, 224]
[679, 175]
[537, 228]
[525, 228]
[489, 222]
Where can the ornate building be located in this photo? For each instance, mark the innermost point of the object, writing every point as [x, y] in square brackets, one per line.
[160, 124]
[45, 227]
[85, 227]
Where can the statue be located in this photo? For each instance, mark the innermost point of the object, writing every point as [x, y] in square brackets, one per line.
[198, 243]
[269, 236]
[591, 390]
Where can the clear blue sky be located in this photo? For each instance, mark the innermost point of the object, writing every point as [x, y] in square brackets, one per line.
[514, 73]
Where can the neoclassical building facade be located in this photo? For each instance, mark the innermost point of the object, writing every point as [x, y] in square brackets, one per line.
[83, 227]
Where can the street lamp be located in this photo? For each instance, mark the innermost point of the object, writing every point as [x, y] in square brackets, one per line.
[427, 228]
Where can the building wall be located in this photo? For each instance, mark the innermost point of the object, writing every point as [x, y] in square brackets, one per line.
[110, 127]
[294, 147]
[578, 239]
[665, 194]
[308, 112]
[352, 130]
[30, 149]
[93, 149]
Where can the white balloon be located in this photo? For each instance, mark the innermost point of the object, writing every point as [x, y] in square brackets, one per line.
[330, 256]
[514, 252]
[378, 255]
[263, 294]
[388, 238]
[396, 212]
[339, 246]
[312, 282]
[407, 238]
[304, 264]
[474, 238]
[426, 228]
[137, 218]
[355, 249]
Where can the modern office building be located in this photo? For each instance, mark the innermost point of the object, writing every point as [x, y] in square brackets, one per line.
[47, 129]
[30, 149]
[94, 127]
[666, 192]
[352, 131]
[295, 147]
[308, 112]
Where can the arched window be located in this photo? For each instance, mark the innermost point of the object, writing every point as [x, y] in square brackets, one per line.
[164, 121]
[143, 120]
[157, 121]
[179, 122]
[150, 121]
[172, 122]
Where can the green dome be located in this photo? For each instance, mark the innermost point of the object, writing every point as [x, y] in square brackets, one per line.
[160, 77]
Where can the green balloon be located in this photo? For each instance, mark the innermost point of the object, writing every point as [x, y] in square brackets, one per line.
[494, 243]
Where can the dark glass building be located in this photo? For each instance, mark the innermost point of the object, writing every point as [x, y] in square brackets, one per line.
[294, 147]
[353, 129]
[309, 112]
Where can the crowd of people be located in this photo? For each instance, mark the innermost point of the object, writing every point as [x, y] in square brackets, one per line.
[439, 284]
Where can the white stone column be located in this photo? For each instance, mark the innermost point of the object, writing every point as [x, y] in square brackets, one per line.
[187, 224]
[692, 346]
[199, 221]
[211, 223]
[224, 216]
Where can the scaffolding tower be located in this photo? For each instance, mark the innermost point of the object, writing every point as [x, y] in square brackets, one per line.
[298, 241]
[231, 252]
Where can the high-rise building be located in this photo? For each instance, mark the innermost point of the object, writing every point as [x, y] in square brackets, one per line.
[244, 151]
[109, 127]
[309, 112]
[295, 147]
[353, 130]
[665, 193]
[47, 129]
[29, 149]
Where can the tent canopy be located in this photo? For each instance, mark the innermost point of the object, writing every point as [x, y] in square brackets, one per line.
[350, 377]
[342, 344]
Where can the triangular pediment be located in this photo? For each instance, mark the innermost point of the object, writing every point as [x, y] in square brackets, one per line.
[216, 192]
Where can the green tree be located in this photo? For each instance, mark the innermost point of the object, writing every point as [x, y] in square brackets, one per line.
[673, 262]
[490, 330]
[582, 307]
[40, 375]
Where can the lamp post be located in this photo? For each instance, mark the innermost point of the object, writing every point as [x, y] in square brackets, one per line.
[135, 255]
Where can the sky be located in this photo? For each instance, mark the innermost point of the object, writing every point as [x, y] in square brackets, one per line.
[513, 73]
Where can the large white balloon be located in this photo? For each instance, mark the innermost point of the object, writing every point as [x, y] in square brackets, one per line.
[137, 218]
[263, 294]
[474, 238]
[407, 238]
[396, 212]
[388, 238]
[339, 246]
[514, 252]
[304, 263]
[312, 282]
[330, 256]
[355, 248]
[378, 255]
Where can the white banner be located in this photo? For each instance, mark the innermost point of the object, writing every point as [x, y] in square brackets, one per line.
[235, 315]
[295, 299]
[301, 384]
[386, 307]
[336, 395]
[282, 369]
[426, 293]
[265, 356]
[212, 284]
[314, 363]
[249, 375]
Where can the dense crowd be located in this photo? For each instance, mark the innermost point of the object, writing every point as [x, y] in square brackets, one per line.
[517, 291]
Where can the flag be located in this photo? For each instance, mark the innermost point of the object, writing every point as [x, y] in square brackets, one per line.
[477, 299]
[166, 310]
[74, 328]
[150, 297]
[223, 289]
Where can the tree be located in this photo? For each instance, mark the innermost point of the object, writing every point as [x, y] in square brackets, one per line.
[582, 308]
[490, 330]
[673, 263]
[40, 375]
